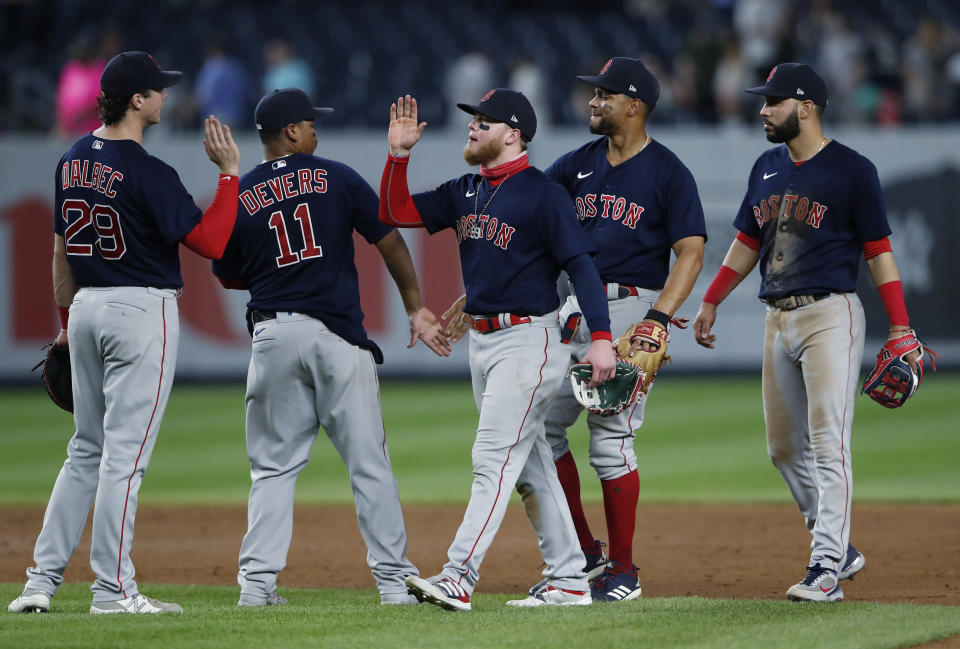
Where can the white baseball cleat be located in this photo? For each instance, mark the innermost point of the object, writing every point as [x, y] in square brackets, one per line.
[30, 601]
[439, 590]
[553, 596]
[138, 603]
[820, 585]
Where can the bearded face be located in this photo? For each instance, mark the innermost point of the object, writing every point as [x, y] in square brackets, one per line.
[785, 131]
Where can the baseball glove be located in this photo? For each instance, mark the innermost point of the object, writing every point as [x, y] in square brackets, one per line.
[648, 363]
[610, 398]
[892, 380]
[56, 375]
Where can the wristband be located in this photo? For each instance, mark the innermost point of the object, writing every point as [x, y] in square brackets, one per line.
[64, 313]
[721, 285]
[658, 316]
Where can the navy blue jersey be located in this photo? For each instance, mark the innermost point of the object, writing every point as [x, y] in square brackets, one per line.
[292, 244]
[634, 211]
[512, 252]
[812, 220]
[122, 213]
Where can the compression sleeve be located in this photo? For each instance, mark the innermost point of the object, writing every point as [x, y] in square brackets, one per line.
[891, 293]
[590, 295]
[396, 204]
[210, 236]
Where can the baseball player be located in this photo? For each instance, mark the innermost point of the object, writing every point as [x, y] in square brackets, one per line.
[812, 207]
[516, 229]
[121, 215]
[312, 364]
[638, 202]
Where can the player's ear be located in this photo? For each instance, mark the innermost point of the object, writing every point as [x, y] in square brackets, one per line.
[292, 132]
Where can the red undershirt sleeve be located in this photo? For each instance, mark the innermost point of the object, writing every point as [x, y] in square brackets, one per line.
[210, 236]
[396, 204]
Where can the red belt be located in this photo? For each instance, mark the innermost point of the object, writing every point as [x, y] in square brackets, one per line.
[496, 323]
[620, 291]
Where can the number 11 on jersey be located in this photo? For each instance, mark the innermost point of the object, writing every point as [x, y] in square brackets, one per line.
[310, 249]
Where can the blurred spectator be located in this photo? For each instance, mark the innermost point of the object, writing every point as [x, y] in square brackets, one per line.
[840, 59]
[924, 58]
[469, 77]
[763, 29]
[887, 62]
[223, 89]
[952, 76]
[527, 77]
[79, 85]
[729, 80]
[284, 70]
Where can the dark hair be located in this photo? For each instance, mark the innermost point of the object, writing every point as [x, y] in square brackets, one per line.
[112, 110]
[270, 136]
[819, 109]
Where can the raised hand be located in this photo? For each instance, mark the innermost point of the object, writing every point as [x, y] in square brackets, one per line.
[404, 130]
[220, 147]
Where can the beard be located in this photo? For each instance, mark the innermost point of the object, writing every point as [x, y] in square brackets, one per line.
[605, 126]
[786, 131]
[482, 154]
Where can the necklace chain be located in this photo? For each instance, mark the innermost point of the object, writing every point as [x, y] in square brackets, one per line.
[476, 201]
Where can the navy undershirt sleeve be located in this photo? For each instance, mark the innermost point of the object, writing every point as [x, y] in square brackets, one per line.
[590, 293]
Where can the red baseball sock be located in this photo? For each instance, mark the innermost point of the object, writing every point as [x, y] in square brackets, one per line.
[570, 481]
[620, 497]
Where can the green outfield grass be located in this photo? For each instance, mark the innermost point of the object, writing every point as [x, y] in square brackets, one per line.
[346, 619]
[702, 441]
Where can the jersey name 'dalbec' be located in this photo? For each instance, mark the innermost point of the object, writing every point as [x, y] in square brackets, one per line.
[293, 242]
[634, 211]
[122, 213]
[812, 220]
[512, 252]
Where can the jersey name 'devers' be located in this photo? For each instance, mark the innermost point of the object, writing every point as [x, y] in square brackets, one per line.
[614, 207]
[486, 227]
[100, 178]
[288, 185]
[803, 209]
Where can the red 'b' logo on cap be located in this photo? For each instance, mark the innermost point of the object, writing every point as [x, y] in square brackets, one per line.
[772, 72]
[487, 96]
[154, 61]
[606, 66]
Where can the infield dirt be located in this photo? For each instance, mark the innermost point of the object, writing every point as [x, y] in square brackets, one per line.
[728, 551]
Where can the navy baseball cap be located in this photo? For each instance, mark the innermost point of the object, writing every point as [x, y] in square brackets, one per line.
[131, 72]
[285, 106]
[627, 76]
[796, 80]
[507, 106]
